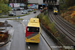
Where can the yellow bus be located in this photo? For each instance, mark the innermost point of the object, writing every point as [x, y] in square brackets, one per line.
[32, 34]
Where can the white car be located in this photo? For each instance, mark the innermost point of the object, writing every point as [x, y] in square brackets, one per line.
[24, 11]
[11, 13]
[30, 10]
[21, 8]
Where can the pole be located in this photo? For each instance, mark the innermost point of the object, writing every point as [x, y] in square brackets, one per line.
[15, 11]
[41, 13]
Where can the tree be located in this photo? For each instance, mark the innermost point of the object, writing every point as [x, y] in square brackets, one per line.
[6, 1]
[69, 3]
[66, 3]
[3, 7]
[3, 1]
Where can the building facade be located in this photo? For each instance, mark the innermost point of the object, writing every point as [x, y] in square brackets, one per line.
[17, 1]
[38, 1]
[30, 3]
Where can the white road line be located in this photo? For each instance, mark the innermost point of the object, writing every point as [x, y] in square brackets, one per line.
[28, 47]
[25, 20]
[24, 26]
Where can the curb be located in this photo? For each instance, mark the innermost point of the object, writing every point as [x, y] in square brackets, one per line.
[22, 23]
[49, 33]
[54, 39]
[46, 41]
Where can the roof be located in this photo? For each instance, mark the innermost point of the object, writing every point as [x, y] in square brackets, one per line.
[34, 22]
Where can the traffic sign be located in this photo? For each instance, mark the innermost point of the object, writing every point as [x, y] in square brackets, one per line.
[41, 4]
[18, 17]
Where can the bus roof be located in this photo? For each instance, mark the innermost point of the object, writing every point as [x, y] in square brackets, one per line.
[34, 22]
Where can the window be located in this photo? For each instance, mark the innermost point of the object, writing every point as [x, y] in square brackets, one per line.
[33, 29]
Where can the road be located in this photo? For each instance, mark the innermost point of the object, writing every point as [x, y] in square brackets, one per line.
[18, 13]
[18, 37]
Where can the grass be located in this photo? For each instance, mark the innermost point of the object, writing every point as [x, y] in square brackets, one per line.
[14, 16]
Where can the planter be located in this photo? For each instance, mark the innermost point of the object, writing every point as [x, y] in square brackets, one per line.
[5, 42]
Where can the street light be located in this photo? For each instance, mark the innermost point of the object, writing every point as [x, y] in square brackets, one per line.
[15, 10]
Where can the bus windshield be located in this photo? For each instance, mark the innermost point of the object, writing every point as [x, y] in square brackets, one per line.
[32, 29]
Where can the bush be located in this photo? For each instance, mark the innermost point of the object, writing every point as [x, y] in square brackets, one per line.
[46, 22]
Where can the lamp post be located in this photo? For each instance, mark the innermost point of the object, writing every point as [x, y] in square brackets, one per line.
[15, 11]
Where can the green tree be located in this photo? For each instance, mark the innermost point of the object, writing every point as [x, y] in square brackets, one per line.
[3, 7]
[6, 1]
[66, 3]
[69, 3]
[1, 2]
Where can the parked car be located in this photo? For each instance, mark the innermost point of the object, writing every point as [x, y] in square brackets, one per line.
[21, 8]
[12, 13]
[24, 11]
[34, 12]
[29, 7]
[30, 10]
[16, 8]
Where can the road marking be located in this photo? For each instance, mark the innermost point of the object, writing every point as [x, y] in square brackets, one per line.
[22, 23]
[25, 20]
[28, 47]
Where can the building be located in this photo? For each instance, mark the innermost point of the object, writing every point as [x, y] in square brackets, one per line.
[41, 3]
[31, 3]
[17, 1]
[38, 1]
